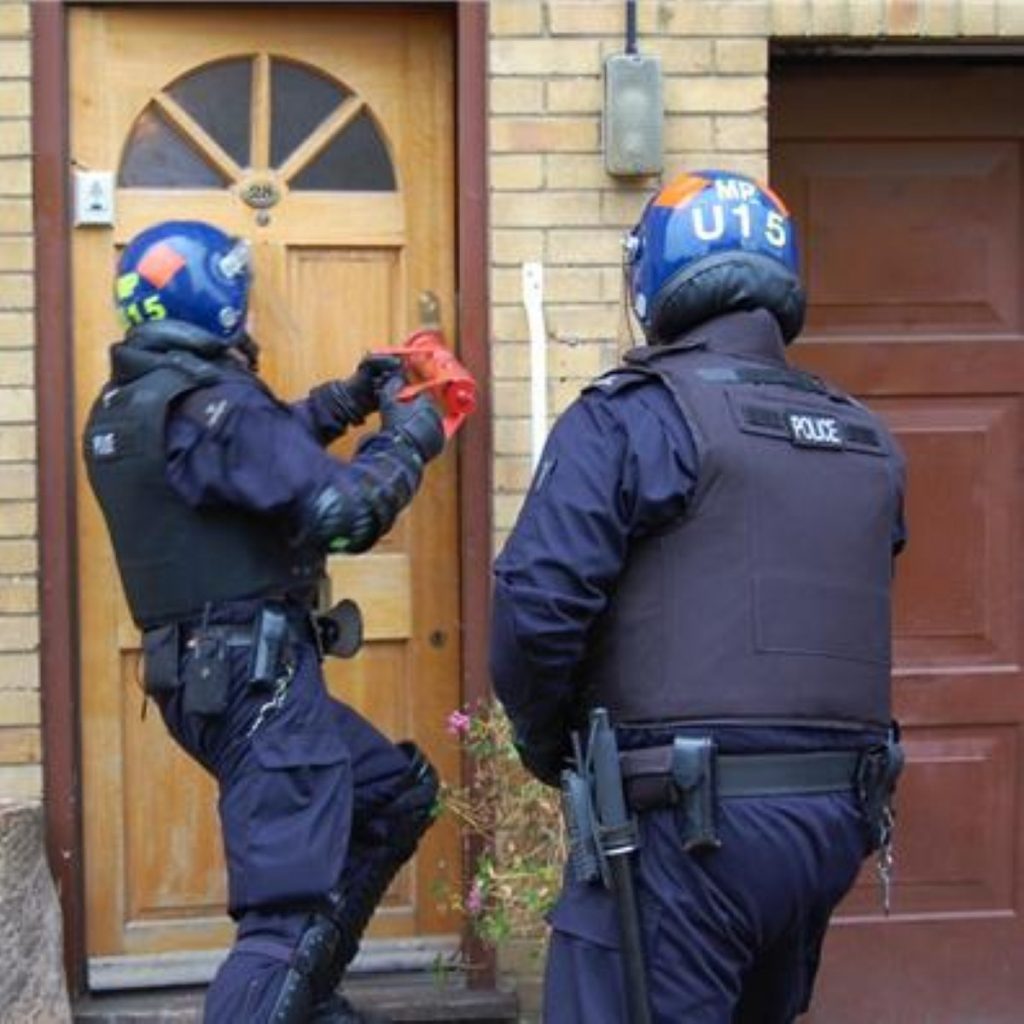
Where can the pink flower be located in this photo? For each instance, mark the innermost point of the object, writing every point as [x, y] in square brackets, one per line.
[475, 899]
[458, 723]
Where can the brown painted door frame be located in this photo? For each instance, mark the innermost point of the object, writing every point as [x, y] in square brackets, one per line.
[57, 444]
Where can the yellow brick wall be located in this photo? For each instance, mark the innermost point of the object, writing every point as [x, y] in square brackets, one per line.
[551, 200]
[20, 747]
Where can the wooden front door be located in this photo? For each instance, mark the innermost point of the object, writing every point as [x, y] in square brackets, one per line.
[907, 181]
[323, 133]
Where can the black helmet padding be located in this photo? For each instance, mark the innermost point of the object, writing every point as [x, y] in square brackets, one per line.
[726, 283]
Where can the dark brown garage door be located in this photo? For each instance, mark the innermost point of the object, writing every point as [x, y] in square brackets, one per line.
[907, 179]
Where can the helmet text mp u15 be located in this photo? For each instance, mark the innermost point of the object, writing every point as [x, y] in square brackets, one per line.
[710, 243]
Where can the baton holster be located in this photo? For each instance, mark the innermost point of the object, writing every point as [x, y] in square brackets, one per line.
[693, 773]
[339, 630]
[577, 812]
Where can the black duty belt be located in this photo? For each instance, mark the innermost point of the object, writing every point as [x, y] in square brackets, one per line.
[650, 783]
[337, 632]
[244, 634]
[240, 635]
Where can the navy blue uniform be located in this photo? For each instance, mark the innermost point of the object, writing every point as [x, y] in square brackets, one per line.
[222, 505]
[733, 934]
[232, 444]
[300, 780]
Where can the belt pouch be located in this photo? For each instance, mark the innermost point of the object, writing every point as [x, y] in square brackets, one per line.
[878, 771]
[693, 772]
[268, 647]
[207, 674]
[161, 649]
[579, 827]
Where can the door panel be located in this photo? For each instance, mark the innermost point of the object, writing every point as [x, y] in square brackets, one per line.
[911, 216]
[942, 260]
[324, 135]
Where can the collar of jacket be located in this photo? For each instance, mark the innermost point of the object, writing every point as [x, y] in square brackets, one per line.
[749, 334]
[160, 343]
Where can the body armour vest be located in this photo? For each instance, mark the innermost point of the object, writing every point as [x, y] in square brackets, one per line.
[174, 559]
[770, 598]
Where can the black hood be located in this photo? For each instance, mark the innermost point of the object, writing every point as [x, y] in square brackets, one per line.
[148, 346]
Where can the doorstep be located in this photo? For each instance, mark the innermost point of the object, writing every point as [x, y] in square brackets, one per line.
[400, 999]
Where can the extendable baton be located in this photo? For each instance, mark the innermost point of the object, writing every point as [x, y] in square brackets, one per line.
[618, 839]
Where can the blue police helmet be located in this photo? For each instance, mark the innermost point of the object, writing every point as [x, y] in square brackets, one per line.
[708, 243]
[185, 270]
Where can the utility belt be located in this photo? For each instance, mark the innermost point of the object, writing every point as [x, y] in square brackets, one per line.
[196, 657]
[689, 774]
[691, 777]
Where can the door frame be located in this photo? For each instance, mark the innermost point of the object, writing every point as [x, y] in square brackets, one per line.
[57, 445]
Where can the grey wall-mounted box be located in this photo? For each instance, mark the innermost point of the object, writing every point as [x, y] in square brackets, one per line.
[633, 115]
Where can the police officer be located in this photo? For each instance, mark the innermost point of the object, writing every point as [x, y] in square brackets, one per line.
[706, 552]
[222, 504]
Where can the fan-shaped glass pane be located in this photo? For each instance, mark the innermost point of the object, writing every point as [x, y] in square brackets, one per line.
[299, 100]
[219, 97]
[157, 156]
[355, 161]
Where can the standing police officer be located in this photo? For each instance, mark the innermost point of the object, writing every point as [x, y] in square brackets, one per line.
[222, 504]
[706, 552]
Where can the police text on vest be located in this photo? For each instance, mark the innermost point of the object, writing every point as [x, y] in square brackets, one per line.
[815, 431]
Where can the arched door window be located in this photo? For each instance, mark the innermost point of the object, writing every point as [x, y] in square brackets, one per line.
[285, 122]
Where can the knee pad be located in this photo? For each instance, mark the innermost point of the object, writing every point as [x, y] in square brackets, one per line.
[377, 852]
[411, 813]
[399, 823]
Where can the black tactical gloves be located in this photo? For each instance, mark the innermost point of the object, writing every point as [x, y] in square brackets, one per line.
[343, 403]
[416, 422]
[375, 385]
[351, 514]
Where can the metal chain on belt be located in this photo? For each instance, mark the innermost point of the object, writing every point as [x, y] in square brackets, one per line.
[884, 863]
[267, 708]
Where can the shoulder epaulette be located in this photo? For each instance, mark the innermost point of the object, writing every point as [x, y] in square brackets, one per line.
[614, 381]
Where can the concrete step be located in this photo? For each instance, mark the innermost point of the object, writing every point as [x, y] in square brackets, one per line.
[399, 999]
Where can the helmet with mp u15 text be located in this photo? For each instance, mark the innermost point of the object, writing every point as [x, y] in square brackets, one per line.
[185, 270]
[709, 243]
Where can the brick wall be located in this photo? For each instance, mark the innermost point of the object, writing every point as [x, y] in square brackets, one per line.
[551, 199]
[20, 748]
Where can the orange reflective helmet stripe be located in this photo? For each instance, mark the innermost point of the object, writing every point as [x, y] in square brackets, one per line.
[681, 190]
[160, 264]
[775, 198]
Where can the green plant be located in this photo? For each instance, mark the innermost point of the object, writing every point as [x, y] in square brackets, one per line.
[515, 881]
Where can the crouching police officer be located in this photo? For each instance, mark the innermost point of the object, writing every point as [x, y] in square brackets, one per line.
[706, 553]
[222, 504]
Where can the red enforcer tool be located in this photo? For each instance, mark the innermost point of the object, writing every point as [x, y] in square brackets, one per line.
[433, 367]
